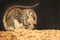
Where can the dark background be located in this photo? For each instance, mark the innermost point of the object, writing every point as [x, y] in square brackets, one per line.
[48, 12]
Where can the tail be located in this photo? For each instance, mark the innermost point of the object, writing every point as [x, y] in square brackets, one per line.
[19, 6]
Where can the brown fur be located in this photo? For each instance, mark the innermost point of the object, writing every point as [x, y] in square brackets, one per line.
[15, 13]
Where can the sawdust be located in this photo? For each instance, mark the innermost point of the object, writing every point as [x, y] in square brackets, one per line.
[28, 34]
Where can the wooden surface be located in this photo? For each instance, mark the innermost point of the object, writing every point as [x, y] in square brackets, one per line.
[27, 34]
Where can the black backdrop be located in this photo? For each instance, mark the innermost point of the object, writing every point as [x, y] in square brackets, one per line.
[48, 12]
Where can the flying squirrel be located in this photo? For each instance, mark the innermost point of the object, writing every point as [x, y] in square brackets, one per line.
[15, 18]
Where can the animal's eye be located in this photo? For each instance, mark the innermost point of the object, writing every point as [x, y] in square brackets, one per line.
[34, 18]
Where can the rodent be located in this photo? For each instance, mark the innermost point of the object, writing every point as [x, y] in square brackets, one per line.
[13, 16]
